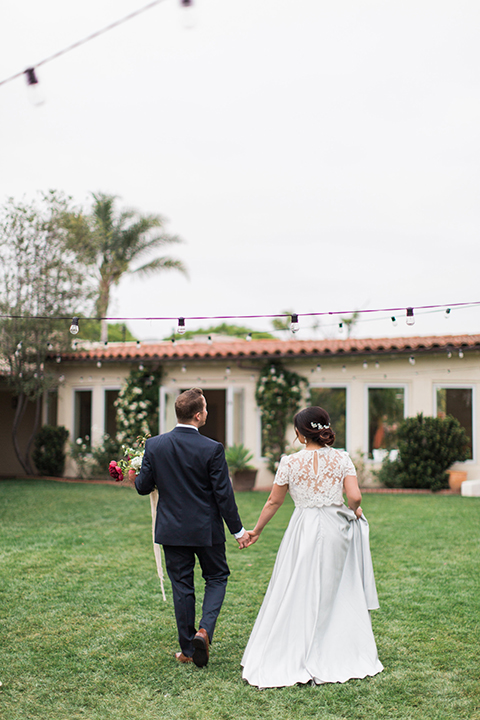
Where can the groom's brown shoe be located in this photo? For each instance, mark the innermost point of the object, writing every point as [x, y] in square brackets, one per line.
[200, 648]
[182, 658]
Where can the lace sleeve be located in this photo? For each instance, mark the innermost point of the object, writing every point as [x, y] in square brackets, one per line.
[348, 466]
[282, 476]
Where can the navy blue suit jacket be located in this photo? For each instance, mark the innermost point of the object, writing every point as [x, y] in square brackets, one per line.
[194, 488]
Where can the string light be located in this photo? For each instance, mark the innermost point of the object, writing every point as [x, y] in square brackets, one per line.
[410, 316]
[81, 42]
[294, 325]
[74, 326]
[181, 326]
[33, 87]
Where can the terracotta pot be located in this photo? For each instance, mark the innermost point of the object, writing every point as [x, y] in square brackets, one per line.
[244, 480]
[455, 479]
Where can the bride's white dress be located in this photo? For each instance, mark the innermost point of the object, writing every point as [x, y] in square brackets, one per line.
[314, 624]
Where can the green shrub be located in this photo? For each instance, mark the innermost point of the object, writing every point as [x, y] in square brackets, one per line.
[49, 450]
[427, 446]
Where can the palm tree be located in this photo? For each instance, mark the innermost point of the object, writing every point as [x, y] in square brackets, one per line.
[113, 241]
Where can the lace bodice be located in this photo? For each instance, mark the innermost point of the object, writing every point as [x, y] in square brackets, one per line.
[315, 477]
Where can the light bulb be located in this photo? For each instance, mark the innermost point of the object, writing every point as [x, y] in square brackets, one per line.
[140, 367]
[227, 371]
[34, 92]
[340, 327]
[365, 364]
[184, 369]
[344, 368]
[411, 360]
[460, 354]
[447, 313]
[294, 325]
[319, 368]
[394, 321]
[181, 326]
[410, 317]
[99, 364]
[249, 337]
[209, 339]
[74, 326]
[189, 14]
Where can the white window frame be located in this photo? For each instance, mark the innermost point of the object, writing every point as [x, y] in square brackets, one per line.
[460, 386]
[386, 385]
[347, 388]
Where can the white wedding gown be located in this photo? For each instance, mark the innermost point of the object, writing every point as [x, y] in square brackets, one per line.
[314, 624]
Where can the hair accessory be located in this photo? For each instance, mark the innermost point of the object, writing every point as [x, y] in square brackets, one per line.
[319, 426]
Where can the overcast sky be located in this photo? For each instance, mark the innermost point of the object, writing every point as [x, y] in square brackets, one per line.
[314, 155]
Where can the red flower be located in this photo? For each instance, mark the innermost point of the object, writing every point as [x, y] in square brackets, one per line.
[115, 471]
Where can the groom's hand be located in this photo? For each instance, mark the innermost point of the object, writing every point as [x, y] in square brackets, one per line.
[244, 541]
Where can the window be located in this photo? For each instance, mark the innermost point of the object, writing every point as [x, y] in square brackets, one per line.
[110, 422]
[386, 408]
[334, 401]
[52, 405]
[457, 401]
[83, 414]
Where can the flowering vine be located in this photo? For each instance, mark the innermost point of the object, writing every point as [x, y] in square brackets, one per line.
[278, 394]
[137, 405]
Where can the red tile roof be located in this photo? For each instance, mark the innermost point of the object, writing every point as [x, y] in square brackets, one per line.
[269, 349]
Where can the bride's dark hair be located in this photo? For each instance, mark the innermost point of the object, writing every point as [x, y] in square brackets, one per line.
[314, 424]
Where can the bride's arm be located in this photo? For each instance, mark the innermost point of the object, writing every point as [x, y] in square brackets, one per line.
[354, 496]
[275, 500]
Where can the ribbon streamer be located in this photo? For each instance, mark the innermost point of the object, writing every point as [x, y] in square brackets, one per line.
[156, 547]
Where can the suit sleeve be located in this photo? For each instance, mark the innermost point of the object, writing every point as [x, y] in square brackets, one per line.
[144, 482]
[223, 491]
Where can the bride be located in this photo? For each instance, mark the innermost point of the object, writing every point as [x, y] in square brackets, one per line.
[314, 624]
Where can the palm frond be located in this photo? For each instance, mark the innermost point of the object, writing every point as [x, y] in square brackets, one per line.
[162, 263]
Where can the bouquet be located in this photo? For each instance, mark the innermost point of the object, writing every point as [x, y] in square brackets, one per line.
[131, 462]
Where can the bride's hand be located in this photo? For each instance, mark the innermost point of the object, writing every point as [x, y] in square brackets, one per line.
[359, 512]
[253, 537]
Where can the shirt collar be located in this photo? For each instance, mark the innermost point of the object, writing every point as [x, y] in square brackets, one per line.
[187, 426]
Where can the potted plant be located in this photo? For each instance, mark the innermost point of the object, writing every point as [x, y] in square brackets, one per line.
[242, 473]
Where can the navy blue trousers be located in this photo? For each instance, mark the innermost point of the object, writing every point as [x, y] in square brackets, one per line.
[180, 563]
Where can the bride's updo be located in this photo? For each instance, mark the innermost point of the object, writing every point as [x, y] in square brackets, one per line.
[314, 424]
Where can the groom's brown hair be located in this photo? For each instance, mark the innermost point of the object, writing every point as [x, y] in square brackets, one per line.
[188, 404]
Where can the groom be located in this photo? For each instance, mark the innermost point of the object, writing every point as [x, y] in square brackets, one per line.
[195, 497]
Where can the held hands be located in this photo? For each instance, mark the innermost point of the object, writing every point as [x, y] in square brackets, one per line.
[247, 539]
[243, 541]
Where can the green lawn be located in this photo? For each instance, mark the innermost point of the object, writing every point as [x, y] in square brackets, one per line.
[85, 633]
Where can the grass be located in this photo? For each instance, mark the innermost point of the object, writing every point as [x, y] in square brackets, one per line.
[85, 633]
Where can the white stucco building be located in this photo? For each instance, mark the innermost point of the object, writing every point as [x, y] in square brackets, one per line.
[367, 385]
